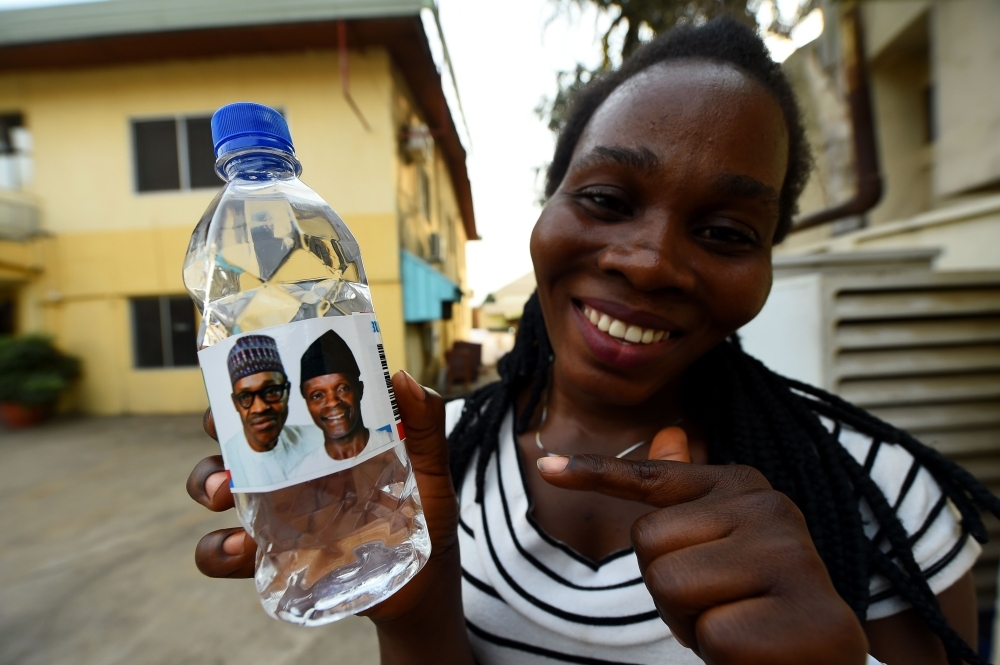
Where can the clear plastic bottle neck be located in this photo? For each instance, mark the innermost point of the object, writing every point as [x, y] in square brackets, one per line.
[258, 163]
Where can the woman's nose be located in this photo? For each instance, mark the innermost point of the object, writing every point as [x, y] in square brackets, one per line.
[654, 254]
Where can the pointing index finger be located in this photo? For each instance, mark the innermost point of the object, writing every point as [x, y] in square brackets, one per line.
[653, 482]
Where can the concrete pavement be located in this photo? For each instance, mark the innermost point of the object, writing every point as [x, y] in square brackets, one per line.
[97, 541]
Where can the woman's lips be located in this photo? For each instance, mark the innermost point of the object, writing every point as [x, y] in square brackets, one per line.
[629, 315]
[621, 330]
[614, 346]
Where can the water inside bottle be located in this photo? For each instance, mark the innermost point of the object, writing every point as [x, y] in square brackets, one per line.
[269, 251]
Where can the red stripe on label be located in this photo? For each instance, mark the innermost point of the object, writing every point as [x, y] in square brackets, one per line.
[399, 430]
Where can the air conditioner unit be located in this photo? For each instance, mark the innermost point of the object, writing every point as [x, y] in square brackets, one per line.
[918, 348]
[417, 143]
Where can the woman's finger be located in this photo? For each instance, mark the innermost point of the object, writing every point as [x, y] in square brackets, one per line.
[226, 553]
[659, 484]
[670, 444]
[208, 484]
[208, 422]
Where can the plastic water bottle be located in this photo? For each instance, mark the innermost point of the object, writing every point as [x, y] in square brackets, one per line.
[296, 374]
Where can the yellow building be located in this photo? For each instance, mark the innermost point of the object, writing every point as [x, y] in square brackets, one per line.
[105, 167]
[932, 67]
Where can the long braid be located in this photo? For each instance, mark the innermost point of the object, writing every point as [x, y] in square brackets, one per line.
[759, 418]
[478, 428]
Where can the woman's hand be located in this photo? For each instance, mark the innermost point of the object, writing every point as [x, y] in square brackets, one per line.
[428, 609]
[728, 560]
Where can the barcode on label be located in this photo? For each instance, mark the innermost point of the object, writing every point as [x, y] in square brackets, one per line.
[388, 381]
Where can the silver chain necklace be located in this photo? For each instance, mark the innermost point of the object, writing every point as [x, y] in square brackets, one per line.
[538, 437]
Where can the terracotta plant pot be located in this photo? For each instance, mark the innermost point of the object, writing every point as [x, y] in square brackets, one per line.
[19, 416]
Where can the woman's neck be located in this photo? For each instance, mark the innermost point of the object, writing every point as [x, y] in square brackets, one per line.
[578, 421]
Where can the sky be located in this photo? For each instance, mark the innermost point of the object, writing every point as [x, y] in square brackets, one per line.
[505, 61]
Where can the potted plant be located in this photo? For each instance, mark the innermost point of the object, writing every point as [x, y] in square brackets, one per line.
[33, 374]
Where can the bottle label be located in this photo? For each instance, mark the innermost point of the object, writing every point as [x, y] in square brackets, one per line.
[301, 400]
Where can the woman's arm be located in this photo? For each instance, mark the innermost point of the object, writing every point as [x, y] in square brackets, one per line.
[903, 639]
[423, 622]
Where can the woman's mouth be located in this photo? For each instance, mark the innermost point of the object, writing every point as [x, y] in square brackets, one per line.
[621, 330]
[615, 342]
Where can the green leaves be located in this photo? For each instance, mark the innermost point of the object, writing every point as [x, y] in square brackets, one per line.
[33, 371]
[641, 20]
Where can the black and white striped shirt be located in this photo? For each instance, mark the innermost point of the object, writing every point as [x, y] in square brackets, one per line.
[530, 599]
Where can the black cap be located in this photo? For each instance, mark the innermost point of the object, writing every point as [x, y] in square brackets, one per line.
[329, 354]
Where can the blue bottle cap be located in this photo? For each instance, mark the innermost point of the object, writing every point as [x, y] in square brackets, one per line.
[249, 125]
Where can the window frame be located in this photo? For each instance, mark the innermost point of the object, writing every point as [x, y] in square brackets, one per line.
[166, 332]
[183, 154]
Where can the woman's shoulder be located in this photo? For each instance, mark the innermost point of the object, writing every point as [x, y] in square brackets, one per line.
[889, 465]
[941, 546]
[452, 413]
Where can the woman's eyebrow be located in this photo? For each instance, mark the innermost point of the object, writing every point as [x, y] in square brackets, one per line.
[734, 186]
[640, 159]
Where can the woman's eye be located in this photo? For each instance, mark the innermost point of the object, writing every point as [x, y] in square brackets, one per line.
[606, 202]
[726, 234]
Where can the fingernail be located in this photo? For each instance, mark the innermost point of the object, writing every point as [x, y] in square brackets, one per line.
[213, 483]
[416, 389]
[233, 544]
[552, 464]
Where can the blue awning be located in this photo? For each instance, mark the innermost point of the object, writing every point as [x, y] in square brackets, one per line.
[424, 289]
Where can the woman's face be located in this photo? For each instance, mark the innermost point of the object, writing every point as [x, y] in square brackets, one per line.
[662, 227]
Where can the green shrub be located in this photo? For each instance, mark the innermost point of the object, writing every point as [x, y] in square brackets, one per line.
[33, 371]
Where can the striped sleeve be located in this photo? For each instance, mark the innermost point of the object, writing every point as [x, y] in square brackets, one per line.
[942, 549]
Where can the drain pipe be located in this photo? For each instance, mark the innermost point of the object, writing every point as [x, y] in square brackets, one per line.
[345, 85]
[869, 179]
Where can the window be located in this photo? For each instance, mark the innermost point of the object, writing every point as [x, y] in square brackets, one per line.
[15, 152]
[174, 154]
[163, 332]
[8, 123]
[424, 193]
[6, 314]
[930, 115]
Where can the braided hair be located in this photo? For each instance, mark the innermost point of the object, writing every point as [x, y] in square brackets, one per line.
[756, 417]
[772, 423]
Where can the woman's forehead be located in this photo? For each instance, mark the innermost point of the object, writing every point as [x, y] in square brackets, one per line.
[685, 105]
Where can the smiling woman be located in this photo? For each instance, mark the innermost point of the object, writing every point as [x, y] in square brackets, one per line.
[758, 520]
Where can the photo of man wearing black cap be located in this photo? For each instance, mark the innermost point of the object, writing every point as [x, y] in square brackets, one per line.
[267, 451]
[330, 382]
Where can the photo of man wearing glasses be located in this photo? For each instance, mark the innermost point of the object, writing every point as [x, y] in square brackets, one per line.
[267, 451]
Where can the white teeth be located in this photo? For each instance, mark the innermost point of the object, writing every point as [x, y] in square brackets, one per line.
[620, 330]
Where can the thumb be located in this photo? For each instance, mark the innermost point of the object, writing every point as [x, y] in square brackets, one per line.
[671, 444]
[422, 412]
